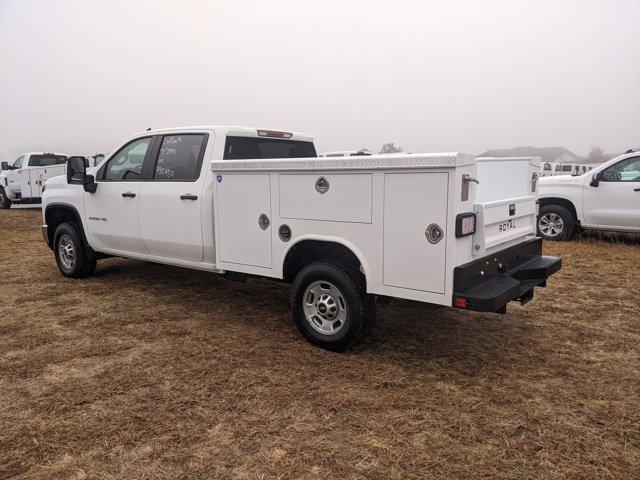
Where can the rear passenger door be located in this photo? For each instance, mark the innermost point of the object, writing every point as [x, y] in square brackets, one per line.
[170, 199]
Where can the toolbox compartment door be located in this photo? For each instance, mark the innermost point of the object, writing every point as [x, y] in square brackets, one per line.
[412, 203]
[243, 198]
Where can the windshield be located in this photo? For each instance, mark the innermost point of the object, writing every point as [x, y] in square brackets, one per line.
[243, 148]
[47, 160]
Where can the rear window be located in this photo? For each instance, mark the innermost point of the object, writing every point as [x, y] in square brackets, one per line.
[47, 160]
[244, 148]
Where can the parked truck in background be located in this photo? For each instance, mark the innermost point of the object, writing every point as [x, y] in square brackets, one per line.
[250, 202]
[21, 182]
[604, 198]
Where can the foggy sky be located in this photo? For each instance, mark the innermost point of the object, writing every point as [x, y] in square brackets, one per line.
[81, 76]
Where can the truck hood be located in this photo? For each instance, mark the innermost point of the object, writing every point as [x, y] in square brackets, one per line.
[561, 180]
[57, 180]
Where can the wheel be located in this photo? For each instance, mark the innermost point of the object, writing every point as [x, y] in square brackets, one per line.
[72, 255]
[330, 307]
[5, 202]
[555, 223]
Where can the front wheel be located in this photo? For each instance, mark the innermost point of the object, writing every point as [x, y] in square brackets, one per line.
[72, 255]
[555, 223]
[329, 306]
[5, 202]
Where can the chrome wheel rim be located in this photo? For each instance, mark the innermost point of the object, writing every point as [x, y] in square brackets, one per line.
[551, 224]
[66, 252]
[325, 308]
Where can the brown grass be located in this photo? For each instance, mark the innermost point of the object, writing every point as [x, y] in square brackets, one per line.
[148, 371]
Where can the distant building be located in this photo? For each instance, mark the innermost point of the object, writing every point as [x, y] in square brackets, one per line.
[546, 154]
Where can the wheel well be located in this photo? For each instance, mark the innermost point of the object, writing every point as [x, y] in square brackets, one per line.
[562, 202]
[309, 251]
[56, 214]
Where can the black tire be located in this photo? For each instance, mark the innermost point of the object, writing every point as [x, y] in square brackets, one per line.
[356, 309]
[562, 219]
[84, 261]
[5, 202]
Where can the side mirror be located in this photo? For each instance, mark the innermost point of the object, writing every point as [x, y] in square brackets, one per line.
[5, 166]
[595, 180]
[76, 170]
[77, 174]
[90, 184]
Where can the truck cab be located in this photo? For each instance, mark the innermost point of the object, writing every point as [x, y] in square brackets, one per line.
[22, 180]
[607, 197]
[440, 228]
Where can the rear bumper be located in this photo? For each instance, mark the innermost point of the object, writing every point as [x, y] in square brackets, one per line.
[489, 283]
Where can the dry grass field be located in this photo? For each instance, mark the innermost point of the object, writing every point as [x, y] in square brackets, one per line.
[148, 371]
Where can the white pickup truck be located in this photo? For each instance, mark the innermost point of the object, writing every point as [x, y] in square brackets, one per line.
[22, 181]
[605, 198]
[246, 202]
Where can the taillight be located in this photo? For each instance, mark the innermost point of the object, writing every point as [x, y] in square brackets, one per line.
[465, 224]
[460, 302]
[274, 134]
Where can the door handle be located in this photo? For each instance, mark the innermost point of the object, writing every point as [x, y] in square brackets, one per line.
[188, 196]
[128, 194]
[636, 189]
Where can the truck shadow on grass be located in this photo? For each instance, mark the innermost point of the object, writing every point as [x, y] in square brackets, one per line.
[261, 309]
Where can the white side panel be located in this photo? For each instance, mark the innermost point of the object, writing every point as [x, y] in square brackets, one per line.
[502, 178]
[111, 220]
[33, 182]
[348, 198]
[413, 201]
[25, 182]
[169, 226]
[38, 176]
[242, 198]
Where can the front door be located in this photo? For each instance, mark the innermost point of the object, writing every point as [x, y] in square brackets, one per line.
[615, 202]
[111, 213]
[170, 204]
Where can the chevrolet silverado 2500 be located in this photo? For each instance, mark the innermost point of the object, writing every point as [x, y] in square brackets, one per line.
[251, 202]
[605, 198]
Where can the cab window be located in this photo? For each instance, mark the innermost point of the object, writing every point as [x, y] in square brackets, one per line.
[126, 164]
[47, 160]
[258, 148]
[180, 158]
[627, 170]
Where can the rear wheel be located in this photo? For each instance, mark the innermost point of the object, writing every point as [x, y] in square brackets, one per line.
[72, 256]
[5, 202]
[329, 306]
[556, 223]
